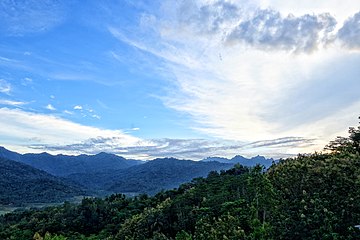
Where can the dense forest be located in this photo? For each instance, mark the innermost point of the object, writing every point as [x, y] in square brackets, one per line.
[21, 184]
[313, 196]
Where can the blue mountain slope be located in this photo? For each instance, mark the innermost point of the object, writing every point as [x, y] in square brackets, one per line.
[63, 165]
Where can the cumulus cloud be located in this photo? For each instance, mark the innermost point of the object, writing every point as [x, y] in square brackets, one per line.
[349, 34]
[267, 29]
[78, 107]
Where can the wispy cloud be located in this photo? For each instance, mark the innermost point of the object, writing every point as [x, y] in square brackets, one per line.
[22, 128]
[96, 116]
[68, 112]
[5, 87]
[244, 72]
[11, 102]
[30, 16]
[194, 149]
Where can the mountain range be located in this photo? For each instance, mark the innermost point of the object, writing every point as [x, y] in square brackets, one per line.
[248, 162]
[150, 177]
[105, 173]
[63, 165]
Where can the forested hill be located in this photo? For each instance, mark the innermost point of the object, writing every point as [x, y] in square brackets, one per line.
[20, 184]
[62, 165]
[150, 177]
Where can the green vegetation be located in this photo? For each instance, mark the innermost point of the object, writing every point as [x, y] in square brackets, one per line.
[21, 184]
[314, 196]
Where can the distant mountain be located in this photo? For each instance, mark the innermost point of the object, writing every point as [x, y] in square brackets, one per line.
[62, 165]
[150, 177]
[249, 162]
[107, 173]
[20, 183]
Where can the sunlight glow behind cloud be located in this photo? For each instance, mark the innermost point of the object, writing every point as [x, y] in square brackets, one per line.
[257, 74]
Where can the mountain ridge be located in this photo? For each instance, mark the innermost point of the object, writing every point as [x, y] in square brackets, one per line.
[248, 162]
[150, 177]
[63, 165]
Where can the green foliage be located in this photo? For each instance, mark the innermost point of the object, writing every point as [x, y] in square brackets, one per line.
[20, 183]
[224, 227]
[183, 236]
[313, 196]
[320, 196]
[349, 144]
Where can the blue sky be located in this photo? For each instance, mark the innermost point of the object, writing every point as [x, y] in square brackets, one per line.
[188, 79]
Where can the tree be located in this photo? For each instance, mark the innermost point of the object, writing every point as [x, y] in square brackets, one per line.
[349, 144]
[183, 236]
[224, 227]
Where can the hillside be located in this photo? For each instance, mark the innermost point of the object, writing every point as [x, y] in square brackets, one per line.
[150, 177]
[62, 165]
[20, 184]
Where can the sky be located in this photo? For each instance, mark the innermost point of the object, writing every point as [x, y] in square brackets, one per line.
[187, 79]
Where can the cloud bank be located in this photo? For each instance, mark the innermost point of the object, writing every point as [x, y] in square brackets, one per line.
[33, 128]
[195, 149]
[40, 132]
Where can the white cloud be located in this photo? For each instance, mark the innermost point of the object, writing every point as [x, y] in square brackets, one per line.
[68, 112]
[267, 29]
[78, 107]
[50, 107]
[194, 149]
[11, 103]
[340, 9]
[349, 34]
[269, 84]
[32, 132]
[5, 87]
[30, 16]
[25, 129]
[26, 81]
